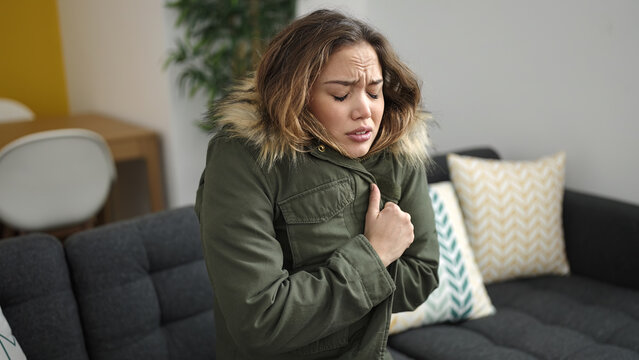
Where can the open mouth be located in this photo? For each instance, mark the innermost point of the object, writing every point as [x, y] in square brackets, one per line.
[362, 134]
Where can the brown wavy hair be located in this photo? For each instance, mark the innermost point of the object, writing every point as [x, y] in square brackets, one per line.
[291, 64]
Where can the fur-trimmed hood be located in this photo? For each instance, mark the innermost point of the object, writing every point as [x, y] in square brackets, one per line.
[239, 114]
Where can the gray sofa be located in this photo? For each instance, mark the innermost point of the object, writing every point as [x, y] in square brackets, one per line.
[139, 290]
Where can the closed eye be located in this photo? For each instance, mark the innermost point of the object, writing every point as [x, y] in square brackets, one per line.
[340, 98]
[373, 96]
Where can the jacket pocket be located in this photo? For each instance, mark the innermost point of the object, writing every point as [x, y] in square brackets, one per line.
[318, 204]
[315, 220]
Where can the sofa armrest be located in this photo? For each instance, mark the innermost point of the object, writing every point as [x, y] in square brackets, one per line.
[602, 238]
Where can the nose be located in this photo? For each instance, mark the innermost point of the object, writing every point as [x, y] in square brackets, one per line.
[361, 107]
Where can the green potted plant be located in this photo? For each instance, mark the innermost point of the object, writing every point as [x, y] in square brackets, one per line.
[222, 41]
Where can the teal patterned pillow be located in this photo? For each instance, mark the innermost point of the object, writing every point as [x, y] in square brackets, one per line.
[9, 347]
[461, 293]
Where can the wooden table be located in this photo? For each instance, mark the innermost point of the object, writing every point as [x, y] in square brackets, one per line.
[127, 142]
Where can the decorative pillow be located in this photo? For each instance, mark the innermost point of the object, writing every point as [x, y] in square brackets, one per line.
[461, 293]
[9, 347]
[512, 212]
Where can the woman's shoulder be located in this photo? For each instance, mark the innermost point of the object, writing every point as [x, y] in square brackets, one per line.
[228, 147]
[235, 150]
[404, 164]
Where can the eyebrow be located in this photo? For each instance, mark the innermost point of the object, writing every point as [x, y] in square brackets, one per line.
[353, 82]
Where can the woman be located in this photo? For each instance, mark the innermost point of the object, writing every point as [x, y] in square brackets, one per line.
[303, 263]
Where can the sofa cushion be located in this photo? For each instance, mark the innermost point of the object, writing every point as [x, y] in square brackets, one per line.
[461, 293]
[143, 289]
[548, 317]
[512, 211]
[37, 299]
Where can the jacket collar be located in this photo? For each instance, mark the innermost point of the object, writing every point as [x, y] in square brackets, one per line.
[327, 153]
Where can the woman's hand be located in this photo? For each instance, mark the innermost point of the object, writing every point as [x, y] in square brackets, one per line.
[389, 231]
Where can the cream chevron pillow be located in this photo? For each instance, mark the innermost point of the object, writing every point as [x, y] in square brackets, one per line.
[512, 211]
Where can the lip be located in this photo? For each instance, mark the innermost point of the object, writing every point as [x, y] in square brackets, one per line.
[361, 134]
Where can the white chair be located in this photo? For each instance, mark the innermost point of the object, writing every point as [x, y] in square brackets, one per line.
[11, 110]
[54, 179]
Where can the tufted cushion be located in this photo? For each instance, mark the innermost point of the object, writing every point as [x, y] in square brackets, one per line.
[37, 299]
[143, 289]
[550, 317]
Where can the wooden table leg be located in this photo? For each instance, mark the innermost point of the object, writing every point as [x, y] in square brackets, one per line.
[151, 151]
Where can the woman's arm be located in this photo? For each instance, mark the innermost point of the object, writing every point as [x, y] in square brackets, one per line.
[417, 267]
[267, 309]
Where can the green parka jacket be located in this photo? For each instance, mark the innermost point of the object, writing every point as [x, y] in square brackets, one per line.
[293, 275]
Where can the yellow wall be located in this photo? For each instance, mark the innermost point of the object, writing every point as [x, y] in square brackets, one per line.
[31, 66]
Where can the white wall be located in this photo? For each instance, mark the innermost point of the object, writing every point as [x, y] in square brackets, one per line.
[114, 52]
[529, 77]
[357, 8]
[189, 141]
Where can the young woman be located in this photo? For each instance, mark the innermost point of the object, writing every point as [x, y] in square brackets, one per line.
[314, 209]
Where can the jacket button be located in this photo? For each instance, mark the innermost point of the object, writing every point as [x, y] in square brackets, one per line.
[321, 148]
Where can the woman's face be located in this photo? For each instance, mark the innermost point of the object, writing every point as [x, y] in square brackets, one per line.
[347, 97]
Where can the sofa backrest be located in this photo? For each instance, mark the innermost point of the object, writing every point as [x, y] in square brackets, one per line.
[37, 299]
[437, 169]
[143, 290]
